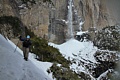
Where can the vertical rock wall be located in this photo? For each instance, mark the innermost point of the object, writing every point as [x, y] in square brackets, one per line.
[58, 16]
[6, 9]
[94, 13]
[50, 21]
[36, 18]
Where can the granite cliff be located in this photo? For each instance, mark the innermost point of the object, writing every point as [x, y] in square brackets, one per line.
[51, 20]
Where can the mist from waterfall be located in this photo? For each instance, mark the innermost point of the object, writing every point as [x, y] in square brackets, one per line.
[70, 19]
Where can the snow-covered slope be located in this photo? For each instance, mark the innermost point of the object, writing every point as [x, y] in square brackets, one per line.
[78, 51]
[14, 67]
[73, 48]
[81, 54]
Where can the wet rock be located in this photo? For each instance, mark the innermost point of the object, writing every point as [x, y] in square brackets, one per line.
[83, 37]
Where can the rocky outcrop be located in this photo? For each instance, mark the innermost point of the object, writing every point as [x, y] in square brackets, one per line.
[108, 38]
[107, 60]
[8, 8]
[9, 18]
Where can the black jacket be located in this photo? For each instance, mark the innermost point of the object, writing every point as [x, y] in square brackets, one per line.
[26, 42]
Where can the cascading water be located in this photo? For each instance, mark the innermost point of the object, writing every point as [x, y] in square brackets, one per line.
[80, 25]
[70, 19]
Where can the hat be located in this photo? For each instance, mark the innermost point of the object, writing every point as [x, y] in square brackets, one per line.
[28, 36]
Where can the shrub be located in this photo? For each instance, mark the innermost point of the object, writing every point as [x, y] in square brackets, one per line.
[62, 73]
[108, 38]
[14, 22]
[45, 52]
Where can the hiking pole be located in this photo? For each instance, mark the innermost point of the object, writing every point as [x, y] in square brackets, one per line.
[16, 46]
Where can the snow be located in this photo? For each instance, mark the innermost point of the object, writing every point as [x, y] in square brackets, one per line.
[73, 47]
[104, 74]
[81, 32]
[22, 6]
[78, 51]
[14, 67]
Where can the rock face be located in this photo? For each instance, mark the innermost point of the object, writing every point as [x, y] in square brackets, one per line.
[92, 12]
[58, 16]
[95, 14]
[113, 8]
[8, 9]
[51, 20]
[35, 17]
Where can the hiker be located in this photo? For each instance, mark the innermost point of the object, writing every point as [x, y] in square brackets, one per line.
[26, 45]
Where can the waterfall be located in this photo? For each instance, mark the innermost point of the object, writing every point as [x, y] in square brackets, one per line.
[80, 25]
[70, 19]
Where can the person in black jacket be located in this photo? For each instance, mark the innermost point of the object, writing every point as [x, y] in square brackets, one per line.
[26, 46]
